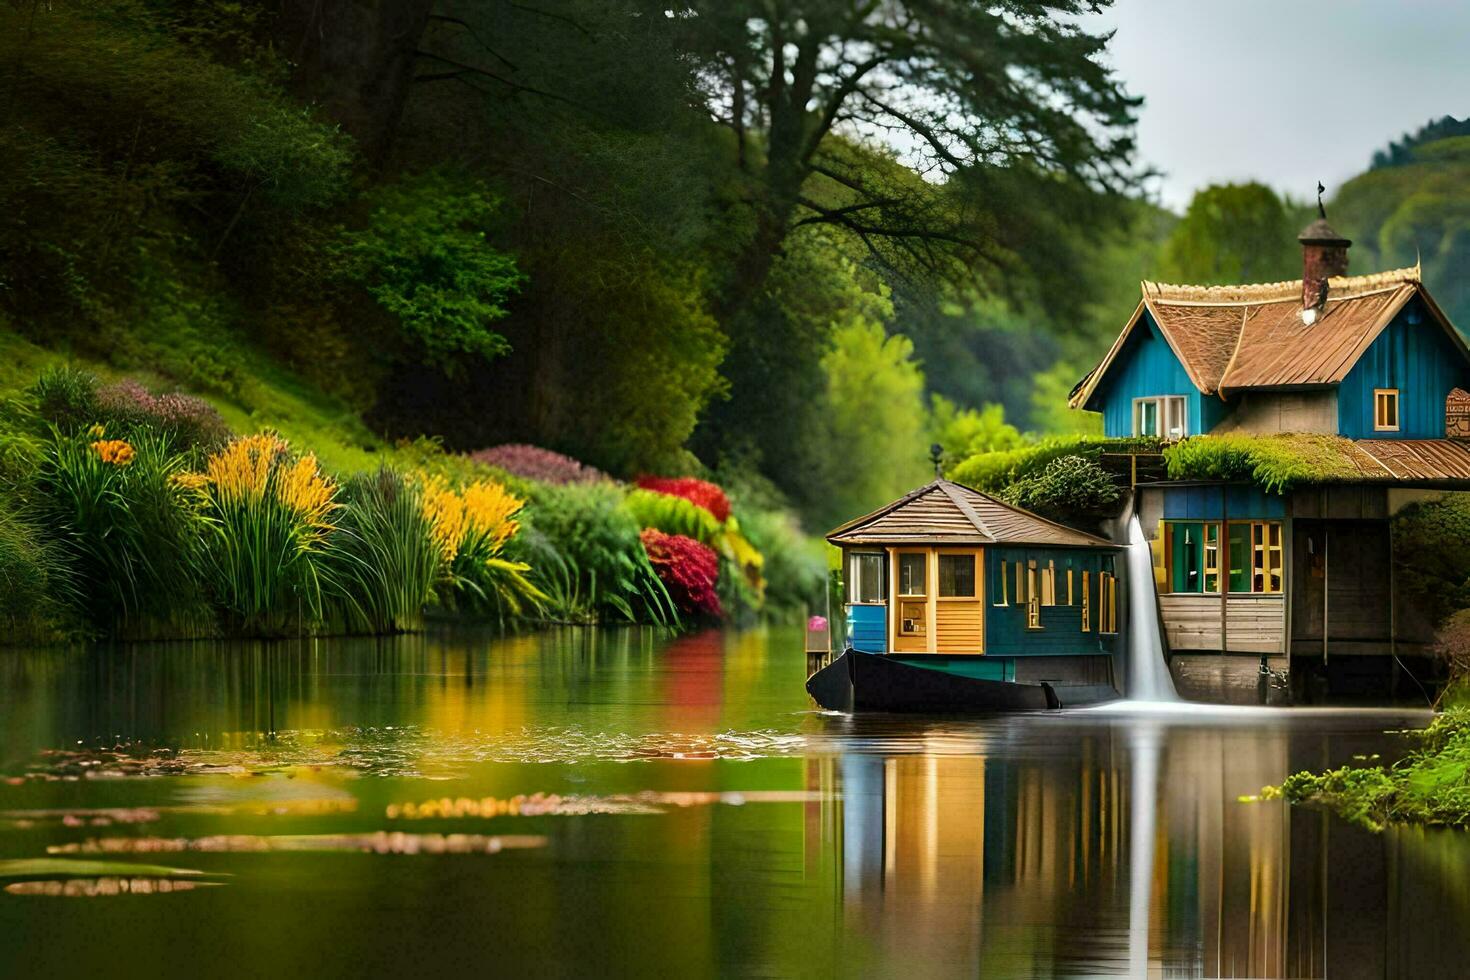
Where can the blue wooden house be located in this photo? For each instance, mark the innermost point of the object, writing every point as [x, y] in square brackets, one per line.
[1371, 359]
[947, 579]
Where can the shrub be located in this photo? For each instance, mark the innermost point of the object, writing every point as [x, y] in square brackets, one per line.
[123, 521]
[384, 557]
[794, 566]
[702, 493]
[188, 422]
[1072, 489]
[535, 463]
[585, 548]
[688, 569]
[674, 515]
[1431, 554]
[994, 471]
[268, 517]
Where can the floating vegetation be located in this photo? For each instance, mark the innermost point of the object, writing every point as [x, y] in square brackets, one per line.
[64, 868]
[551, 804]
[379, 842]
[410, 752]
[108, 816]
[105, 887]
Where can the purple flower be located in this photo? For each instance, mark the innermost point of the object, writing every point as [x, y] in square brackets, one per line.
[535, 463]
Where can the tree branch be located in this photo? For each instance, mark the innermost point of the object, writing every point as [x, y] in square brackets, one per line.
[478, 40]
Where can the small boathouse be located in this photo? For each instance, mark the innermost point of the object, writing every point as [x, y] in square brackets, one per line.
[952, 579]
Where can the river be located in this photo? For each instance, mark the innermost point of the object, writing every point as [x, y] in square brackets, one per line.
[612, 803]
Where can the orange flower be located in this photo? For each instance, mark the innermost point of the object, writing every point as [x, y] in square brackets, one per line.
[114, 451]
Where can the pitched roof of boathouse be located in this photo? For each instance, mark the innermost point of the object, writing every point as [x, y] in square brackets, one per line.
[1229, 338]
[949, 513]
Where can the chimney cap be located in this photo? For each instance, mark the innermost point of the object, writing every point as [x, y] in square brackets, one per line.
[1320, 232]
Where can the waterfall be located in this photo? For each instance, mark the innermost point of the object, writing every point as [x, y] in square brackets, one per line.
[1147, 674]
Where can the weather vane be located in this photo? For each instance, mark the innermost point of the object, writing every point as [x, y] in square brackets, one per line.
[1321, 211]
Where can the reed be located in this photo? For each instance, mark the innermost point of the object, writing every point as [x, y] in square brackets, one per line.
[384, 559]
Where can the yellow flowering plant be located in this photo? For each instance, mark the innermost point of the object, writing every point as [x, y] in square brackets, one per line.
[471, 527]
[269, 515]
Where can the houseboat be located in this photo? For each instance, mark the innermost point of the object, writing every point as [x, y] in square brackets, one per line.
[958, 602]
[1306, 576]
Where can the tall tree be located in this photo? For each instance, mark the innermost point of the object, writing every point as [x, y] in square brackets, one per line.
[946, 85]
[1234, 233]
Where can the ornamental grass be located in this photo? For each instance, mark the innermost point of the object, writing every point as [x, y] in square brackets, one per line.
[124, 530]
[385, 561]
[268, 516]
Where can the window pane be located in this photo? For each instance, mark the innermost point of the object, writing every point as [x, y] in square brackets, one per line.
[911, 574]
[1240, 557]
[957, 576]
[1148, 418]
[1174, 423]
[868, 578]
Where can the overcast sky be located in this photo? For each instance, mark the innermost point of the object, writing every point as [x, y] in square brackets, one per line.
[1286, 91]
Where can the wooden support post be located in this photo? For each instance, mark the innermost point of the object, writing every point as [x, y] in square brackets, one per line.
[1224, 572]
[1326, 583]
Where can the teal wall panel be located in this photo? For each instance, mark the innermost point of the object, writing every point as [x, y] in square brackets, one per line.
[1146, 367]
[1204, 503]
[867, 628]
[1061, 634]
[1413, 355]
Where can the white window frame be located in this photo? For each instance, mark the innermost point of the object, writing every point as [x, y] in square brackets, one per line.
[1398, 417]
[1164, 407]
[855, 586]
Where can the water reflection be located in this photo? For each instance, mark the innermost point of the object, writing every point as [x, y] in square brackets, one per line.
[681, 811]
[1124, 850]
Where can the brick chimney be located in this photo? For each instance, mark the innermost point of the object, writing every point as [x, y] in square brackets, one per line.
[1324, 255]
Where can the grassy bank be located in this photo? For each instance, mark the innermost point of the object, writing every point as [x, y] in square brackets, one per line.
[1430, 785]
[130, 512]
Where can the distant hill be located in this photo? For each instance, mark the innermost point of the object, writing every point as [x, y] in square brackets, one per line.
[1415, 204]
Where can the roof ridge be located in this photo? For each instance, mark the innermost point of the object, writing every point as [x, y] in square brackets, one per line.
[1031, 514]
[951, 490]
[1339, 287]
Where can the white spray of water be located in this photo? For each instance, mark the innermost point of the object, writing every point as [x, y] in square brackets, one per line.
[1148, 675]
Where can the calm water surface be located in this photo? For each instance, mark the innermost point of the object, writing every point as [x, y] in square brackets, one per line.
[619, 803]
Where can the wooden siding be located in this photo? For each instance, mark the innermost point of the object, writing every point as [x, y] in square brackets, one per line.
[1147, 367]
[959, 626]
[1061, 634]
[1254, 624]
[1414, 355]
[867, 627]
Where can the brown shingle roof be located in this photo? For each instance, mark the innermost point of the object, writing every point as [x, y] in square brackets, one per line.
[1233, 337]
[1409, 460]
[949, 513]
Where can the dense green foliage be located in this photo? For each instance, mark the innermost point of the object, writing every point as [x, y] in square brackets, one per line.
[1233, 233]
[1430, 785]
[1431, 564]
[1071, 489]
[1275, 462]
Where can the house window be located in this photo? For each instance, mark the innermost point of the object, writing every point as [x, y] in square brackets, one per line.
[911, 617]
[1255, 551]
[1033, 597]
[1166, 417]
[1107, 603]
[957, 576]
[1071, 600]
[1192, 556]
[1002, 591]
[1385, 409]
[1086, 602]
[912, 574]
[865, 572]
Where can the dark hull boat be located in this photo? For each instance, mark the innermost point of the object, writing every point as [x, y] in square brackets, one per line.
[879, 682]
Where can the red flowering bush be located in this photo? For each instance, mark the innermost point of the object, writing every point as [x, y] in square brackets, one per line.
[701, 492]
[535, 463]
[687, 569]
